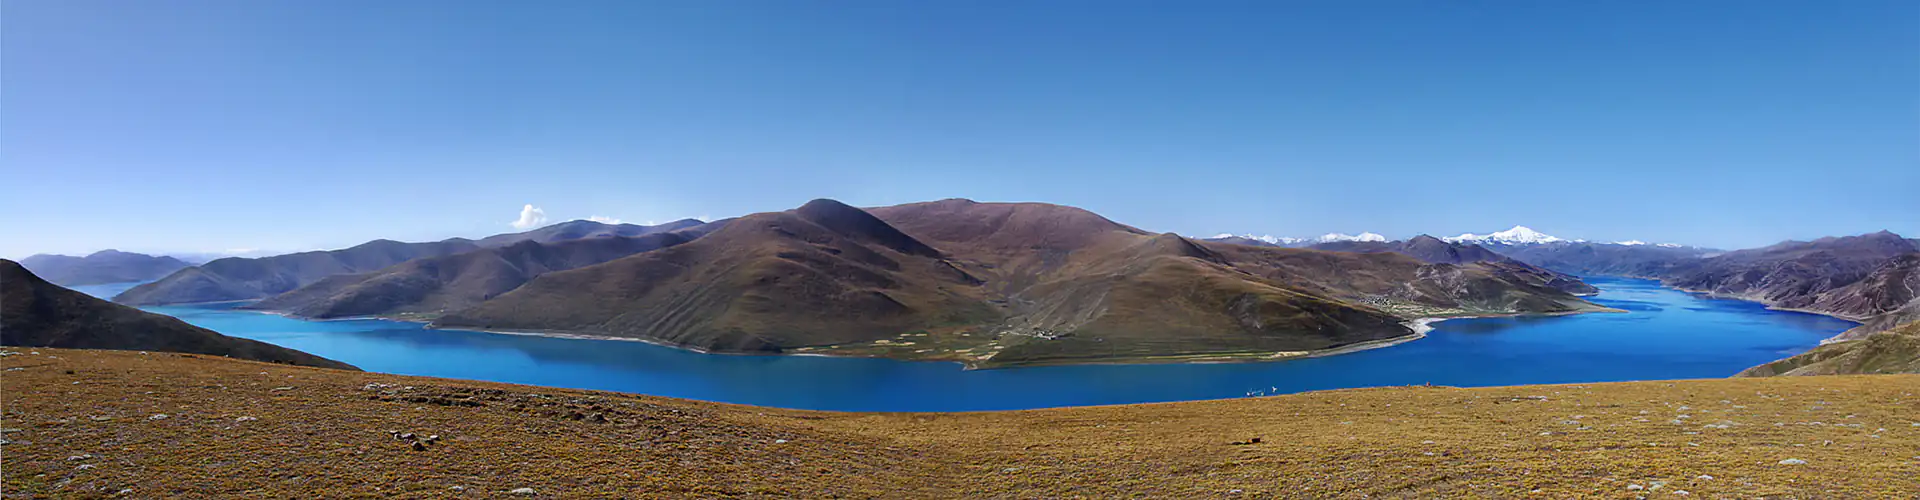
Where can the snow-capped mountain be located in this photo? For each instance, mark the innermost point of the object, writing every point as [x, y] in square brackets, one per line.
[1332, 237]
[1268, 239]
[1519, 235]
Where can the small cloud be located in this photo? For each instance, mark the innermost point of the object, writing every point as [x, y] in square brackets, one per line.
[605, 219]
[530, 216]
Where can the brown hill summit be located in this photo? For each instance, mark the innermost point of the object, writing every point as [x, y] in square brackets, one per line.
[1895, 350]
[36, 313]
[426, 287]
[999, 284]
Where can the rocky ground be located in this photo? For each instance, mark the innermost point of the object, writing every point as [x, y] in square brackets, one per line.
[126, 424]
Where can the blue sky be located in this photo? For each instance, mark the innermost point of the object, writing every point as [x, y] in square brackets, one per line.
[203, 126]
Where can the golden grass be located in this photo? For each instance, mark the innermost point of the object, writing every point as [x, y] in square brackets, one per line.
[80, 425]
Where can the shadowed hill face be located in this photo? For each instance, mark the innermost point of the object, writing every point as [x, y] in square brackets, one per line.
[432, 285]
[105, 266]
[236, 278]
[1893, 351]
[244, 279]
[1039, 283]
[41, 314]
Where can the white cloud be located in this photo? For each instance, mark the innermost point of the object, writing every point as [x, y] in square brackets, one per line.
[530, 216]
[605, 219]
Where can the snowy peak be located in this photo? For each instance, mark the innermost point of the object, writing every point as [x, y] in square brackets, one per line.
[1332, 237]
[1519, 235]
[1268, 239]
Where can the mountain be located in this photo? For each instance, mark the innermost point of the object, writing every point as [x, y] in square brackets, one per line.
[1805, 275]
[1333, 237]
[1519, 235]
[1604, 259]
[1279, 241]
[1436, 251]
[253, 278]
[997, 284]
[1258, 240]
[429, 286]
[105, 266]
[36, 313]
[584, 229]
[1886, 297]
[1895, 350]
[236, 278]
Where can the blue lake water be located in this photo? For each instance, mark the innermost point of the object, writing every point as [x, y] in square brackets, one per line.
[1665, 334]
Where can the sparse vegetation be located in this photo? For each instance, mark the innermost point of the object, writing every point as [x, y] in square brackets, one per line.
[244, 429]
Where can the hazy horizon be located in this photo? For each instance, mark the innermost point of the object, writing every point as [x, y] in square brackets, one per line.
[213, 126]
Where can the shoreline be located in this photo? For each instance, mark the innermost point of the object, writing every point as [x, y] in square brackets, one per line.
[1420, 327]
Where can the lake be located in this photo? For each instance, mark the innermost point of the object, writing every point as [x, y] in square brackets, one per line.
[1665, 334]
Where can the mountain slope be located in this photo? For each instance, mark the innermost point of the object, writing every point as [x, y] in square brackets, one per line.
[998, 284]
[36, 313]
[1887, 297]
[240, 279]
[1603, 259]
[432, 285]
[1796, 274]
[1893, 351]
[105, 266]
[1436, 251]
[824, 273]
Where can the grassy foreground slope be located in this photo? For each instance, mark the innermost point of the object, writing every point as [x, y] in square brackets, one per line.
[86, 424]
[1892, 351]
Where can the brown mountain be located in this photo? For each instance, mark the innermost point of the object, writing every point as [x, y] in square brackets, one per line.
[236, 278]
[999, 284]
[105, 266]
[1887, 297]
[36, 313]
[429, 286]
[1896, 350]
[245, 279]
[1434, 250]
[1805, 275]
[824, 273]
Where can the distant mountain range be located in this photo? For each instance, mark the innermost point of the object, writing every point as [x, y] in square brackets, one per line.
[425, 287]
[36, 313]
[105, 266]
[999, 284]
[1438, 251]
[236, 278]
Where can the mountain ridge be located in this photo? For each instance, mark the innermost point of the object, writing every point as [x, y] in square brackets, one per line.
[38, 313]
[996, 284]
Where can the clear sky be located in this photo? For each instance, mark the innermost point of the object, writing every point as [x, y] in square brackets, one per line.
[293, 125]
